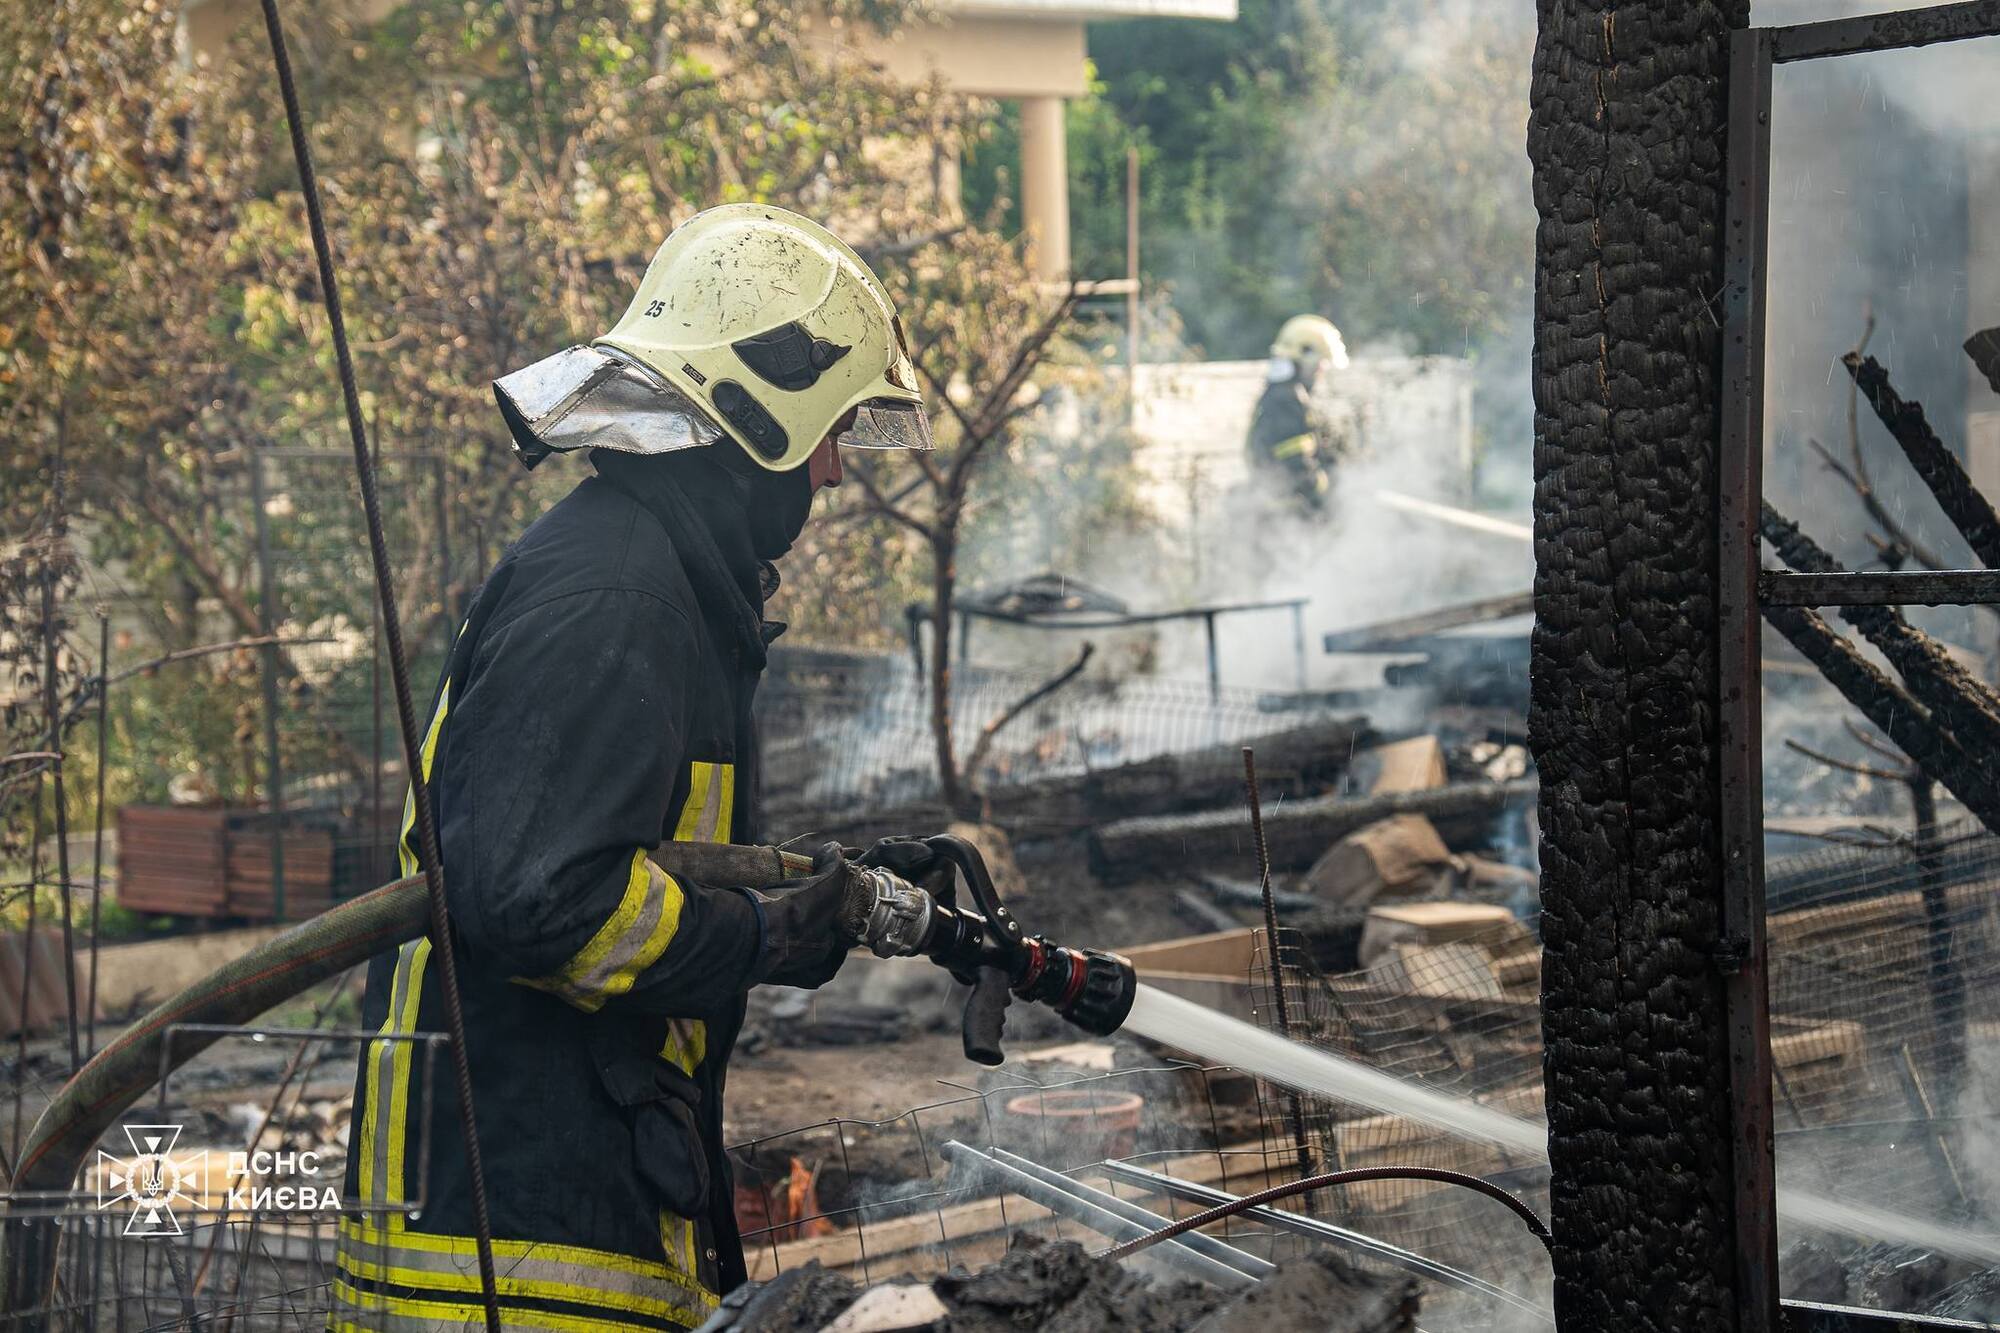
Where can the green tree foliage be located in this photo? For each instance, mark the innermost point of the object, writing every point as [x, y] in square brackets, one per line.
[1358, 158]
[496, 175]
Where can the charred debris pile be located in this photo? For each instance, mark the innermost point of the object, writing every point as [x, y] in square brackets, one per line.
[1057, 1285]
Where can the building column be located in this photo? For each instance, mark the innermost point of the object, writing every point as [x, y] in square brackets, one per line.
[1045, 186]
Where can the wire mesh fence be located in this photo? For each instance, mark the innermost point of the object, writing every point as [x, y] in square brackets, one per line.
[842, 731]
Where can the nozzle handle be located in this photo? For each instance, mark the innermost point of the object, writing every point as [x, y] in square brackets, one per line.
[986, 1016]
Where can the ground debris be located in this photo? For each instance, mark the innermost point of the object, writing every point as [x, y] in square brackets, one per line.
[1060, 1287]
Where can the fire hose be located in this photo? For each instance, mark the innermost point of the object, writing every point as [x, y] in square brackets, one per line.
[980, 942]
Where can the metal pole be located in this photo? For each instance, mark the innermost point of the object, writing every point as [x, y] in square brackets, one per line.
[1220, 1251]
[1060, 1199]
[1740, 953]
[97, 834]
[1132, 276]
[1947, 985]
[1299, 645]
[28, 965]
[267, 621]
[1214, 660]
[52, 713]
[1300, 1224]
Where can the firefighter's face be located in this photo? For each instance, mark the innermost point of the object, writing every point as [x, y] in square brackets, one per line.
[823, 466]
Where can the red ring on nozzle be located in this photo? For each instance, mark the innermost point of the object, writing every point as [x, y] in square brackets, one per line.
[1079, 971]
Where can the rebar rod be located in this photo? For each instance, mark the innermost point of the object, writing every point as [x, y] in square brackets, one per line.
[1294, 1106]
[444, 949]
[1067, 1203]
[97, 830]
[53, 717]
[1408, 1260]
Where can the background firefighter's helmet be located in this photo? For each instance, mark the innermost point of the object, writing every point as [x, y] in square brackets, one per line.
[1310, 343]
[752, 323]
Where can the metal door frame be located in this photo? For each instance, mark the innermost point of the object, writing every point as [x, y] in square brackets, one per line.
[1744, 587]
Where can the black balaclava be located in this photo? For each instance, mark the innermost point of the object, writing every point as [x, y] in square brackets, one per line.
[730, 519]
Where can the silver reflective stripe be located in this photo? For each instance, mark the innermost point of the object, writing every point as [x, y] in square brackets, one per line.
[629, 942]
[625, 955]
[711, 809]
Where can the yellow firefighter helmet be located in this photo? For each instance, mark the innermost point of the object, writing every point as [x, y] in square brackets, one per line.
[762, 322]
[1310, 342]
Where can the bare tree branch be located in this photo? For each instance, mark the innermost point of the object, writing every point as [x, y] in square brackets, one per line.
[1847, 765]
[879, 503]
[992, 729]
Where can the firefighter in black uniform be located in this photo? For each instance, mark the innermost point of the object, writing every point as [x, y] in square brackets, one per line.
[1290, 445]
[597, 703]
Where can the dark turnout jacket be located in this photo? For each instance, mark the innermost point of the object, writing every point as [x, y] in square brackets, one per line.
[1289, 441]
[590, 711]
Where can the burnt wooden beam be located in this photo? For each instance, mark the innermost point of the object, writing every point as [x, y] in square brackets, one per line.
[1969, 511]
[1890, 708]
[1956, 699]
[1296, 832]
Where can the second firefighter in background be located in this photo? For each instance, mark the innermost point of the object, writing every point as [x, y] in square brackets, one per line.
[1292, 447]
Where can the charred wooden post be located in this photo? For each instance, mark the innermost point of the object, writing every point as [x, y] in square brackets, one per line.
[1969, 511]
[1626, 136]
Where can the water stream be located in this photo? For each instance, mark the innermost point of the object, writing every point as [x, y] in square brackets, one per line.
[1215, 1037]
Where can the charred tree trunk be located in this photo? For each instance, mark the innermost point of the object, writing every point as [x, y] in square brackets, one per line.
[944, 602]
[1626, 137]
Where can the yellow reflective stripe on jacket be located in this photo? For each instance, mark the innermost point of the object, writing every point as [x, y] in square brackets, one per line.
[386, 1102]
[540, 1270]
[686, 1045]
[406, 849]
[677, 1242]
[1295, 447]
[370, 1312]
[711, 804]
[707, 816]
[638, 932]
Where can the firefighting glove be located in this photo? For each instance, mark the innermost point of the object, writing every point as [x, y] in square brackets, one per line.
[909, 858]
[809, 923]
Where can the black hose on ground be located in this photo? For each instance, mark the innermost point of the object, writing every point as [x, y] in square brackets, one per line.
[1331, 1179]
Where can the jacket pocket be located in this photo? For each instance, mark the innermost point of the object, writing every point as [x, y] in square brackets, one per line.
[660, 1104]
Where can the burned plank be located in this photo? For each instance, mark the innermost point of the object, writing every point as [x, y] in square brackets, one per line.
[1296, 831]
[1404, 629]
[1298, 761]
[1891, 708]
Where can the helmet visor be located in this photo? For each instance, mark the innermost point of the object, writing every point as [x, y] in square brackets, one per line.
[888, 423]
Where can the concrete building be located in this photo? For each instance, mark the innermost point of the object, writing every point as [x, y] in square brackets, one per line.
[1033, 52]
